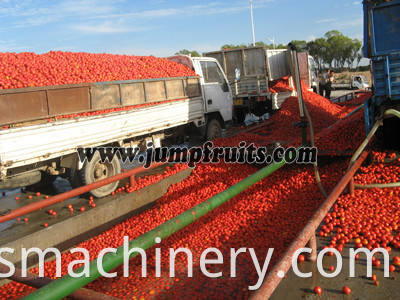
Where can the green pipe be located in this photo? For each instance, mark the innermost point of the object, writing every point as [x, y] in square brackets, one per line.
[388, 112]
[365, 143]
[64, 286]
[392, 112]
[315, 164]
[377, 185]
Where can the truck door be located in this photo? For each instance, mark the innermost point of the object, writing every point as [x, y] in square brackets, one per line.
[216, 90]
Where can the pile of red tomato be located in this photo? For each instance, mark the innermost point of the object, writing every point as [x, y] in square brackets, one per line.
[280, 85]
[370, 218]
[343, 137]
[267, 215]
[252, 219]
[333, 133]
[27, 69]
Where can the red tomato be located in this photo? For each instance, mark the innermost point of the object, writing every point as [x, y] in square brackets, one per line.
[346, 290]
[392, 268]
[318, 290]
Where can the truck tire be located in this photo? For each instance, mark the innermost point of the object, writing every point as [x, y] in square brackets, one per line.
[96, 170]
[214, 129]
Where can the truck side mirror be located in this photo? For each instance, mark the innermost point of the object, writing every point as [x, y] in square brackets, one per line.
[237, 74]
[225, 87]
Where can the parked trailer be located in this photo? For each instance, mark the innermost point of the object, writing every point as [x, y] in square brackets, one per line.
[44, 126]
[246, 70]
[278, 63]
[249, 71]
[382, 45]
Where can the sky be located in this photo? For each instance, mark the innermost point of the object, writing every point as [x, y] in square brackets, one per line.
[163, 27]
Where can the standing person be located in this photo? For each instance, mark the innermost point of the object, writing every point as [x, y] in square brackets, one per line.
[322, 83]
[328, 86]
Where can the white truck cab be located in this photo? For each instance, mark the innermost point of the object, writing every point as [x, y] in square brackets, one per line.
[216, 90]
[313, 74]
[217, 93]
[359, 82]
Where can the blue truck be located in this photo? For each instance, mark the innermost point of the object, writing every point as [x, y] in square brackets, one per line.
[382, 46]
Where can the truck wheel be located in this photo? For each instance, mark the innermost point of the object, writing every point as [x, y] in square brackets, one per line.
[96, 170]
[214, 129]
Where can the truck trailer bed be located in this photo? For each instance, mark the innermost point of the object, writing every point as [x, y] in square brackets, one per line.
[29, 138]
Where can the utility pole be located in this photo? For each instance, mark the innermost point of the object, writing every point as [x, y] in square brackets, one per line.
[252, 23]
[272, 41]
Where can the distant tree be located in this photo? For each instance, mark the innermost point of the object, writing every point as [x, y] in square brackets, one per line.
[318, 49]
[257, 44]
[341, 49]
[333, 51]
[187, 52]
[358, 59]
[280, 46]
[260, 44]
[300, 45]
[232, 46]
[356, 55]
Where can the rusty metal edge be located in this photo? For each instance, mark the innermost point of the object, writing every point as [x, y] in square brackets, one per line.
[35, 281]
[86, 84]
[74, 192]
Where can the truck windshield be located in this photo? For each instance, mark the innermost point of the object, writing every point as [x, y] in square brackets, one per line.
[363, 79]
[311, 63]
[211, 72]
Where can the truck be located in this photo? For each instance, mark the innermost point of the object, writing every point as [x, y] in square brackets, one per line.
[382, 46]
[250, 72]
[308, 71]
[41, 128]
[357, 82]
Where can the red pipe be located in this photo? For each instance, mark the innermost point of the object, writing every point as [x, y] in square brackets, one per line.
[272, 280]
[312, 243]
[351, 186]
[73, 193]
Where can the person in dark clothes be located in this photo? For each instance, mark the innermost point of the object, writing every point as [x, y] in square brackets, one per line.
[322, 83]
[328, 86]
